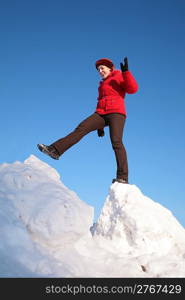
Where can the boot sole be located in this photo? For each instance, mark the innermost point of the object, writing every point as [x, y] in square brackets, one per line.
[44, 150]
[119, 181]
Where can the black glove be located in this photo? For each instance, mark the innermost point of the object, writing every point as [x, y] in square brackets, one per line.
[124, 67]
[101, 132]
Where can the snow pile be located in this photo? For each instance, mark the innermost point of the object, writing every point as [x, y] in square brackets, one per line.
[47, 231]
[37, 210]
[135, 226]
[130, 220]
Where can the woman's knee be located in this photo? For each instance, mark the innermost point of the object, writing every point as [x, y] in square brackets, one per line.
[117, 144]
[81, 127]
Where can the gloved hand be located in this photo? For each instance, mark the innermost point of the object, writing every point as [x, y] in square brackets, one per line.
[101, 132]
[124, 67]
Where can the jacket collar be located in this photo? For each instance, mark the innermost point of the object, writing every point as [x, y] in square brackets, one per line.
[110, 75]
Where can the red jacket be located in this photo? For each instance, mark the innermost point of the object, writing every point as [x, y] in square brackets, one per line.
[112, 92]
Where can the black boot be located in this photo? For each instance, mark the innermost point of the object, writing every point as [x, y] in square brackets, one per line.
[49, 150]
[120, 180]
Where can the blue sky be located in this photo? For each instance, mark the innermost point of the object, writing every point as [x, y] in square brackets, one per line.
[48, 85]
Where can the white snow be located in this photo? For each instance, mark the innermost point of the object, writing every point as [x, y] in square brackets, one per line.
[47, 231]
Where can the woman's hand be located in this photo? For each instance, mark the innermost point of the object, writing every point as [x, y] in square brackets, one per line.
[124, 67]
[101, 132]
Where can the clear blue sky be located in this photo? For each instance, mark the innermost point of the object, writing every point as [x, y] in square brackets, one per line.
[48, 84]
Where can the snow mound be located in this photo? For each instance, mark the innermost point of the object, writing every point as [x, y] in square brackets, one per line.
[130, 220]
[47, 231]
[37, 209]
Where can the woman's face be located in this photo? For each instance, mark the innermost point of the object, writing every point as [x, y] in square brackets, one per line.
[104, 71]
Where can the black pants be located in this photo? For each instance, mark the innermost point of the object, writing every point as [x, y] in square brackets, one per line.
[115, 122]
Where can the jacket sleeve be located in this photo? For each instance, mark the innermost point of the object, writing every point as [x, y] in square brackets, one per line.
[129, 83]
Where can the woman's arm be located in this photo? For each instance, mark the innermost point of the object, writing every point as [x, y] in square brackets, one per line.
[129, 83]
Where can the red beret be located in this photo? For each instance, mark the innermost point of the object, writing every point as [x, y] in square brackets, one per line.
[105, 62]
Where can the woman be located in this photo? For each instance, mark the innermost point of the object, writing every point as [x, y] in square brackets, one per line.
[110, 111]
